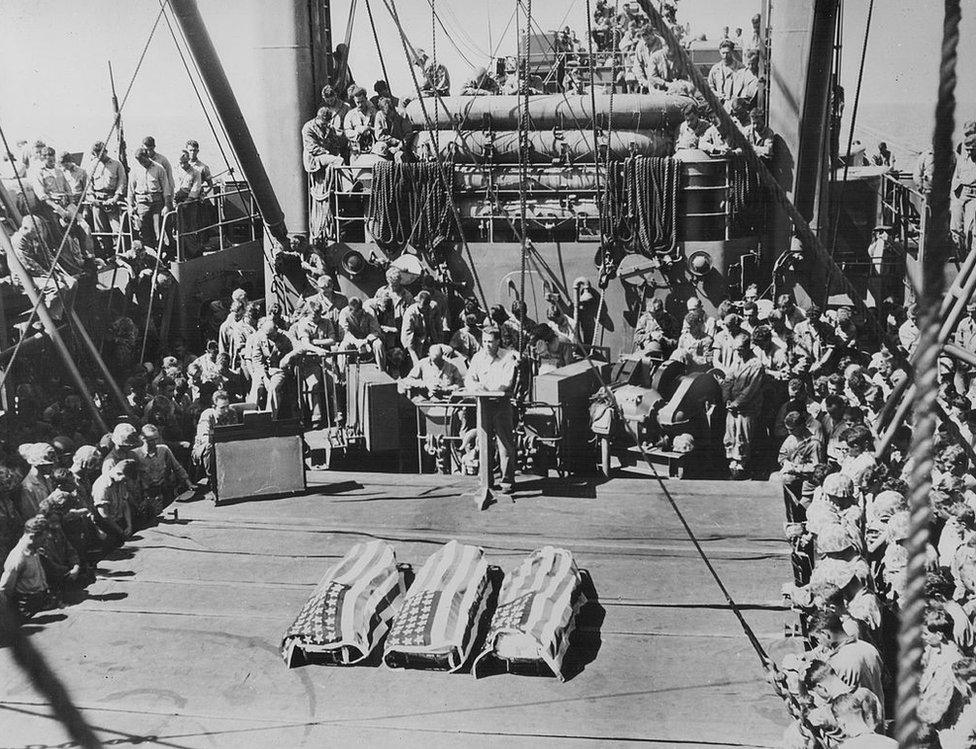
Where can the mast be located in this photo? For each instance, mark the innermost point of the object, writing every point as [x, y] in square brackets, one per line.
[201, 47]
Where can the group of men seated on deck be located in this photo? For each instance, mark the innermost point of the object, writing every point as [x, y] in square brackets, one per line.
[804, 390]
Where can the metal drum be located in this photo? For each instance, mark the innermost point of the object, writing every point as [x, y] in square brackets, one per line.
[702, 207]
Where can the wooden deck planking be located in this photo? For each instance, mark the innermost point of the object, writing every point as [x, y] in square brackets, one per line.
[180, 641]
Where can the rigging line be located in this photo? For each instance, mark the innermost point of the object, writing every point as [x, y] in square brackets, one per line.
[523, 164]
[908, 727]
[568, 11]
[448, 187]
[850, 143]
[766, 662]
[276, 280]
[196, 90]
[466, 38]
[87, 186]
[376, 40]
[597, 325]
[450, 37]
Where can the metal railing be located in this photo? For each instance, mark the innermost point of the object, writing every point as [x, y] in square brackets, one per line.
[905, 209]
[488, 204]
[180, 229]
[188, 215]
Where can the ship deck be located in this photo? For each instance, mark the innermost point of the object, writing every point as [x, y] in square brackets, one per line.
[176, 644]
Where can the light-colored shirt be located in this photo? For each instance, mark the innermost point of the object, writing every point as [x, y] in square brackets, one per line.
[712, 140]
[108, 179]
[190, 180]
[689, 136]
[159, 465]
[722, 79]
[492, 372]
[358, 325]
[23, 573]
[358, 121]
[433, 376]
[164, 163]
[110, 496]
[149, 180]
[48, 182]
[436, 79]
[75, 177]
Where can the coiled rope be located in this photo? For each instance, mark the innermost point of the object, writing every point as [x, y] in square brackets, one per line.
[908, 727]
[409, 205]
[639, 206]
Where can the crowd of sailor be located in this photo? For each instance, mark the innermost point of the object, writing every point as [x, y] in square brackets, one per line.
[354, 126]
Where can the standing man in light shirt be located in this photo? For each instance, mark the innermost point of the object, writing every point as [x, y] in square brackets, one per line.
[150, 195]
[74, 176]
[192, 148]
[108, 191]
[189, 188]
[149, 143]
[189, 180]
[493, 368]
[724, 76]
[49, 183]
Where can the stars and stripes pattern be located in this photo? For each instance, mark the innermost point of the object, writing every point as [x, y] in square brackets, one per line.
[441, 611]
[539, 599]
[351, 608]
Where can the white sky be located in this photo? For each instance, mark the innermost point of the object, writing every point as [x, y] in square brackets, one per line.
[54, 55]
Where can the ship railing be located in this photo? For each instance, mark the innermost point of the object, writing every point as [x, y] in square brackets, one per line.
[562, 202]
[905, 209]
[234, 220]
[487, 206]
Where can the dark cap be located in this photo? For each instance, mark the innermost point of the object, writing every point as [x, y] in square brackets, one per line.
[149, 142]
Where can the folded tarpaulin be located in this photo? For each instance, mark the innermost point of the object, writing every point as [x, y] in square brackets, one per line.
[350, 610]
[437, 625]
[536, 612]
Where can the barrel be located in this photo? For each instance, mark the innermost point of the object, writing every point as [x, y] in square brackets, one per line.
[656, 110]
[704, 193]
[468, 146]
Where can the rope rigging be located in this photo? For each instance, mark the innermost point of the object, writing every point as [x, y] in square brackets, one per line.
[116, 120]
[850, 144]
[908, 728]
[376, 41]
[409, 205]
[524, 159]
[445, 180]
[277, 283]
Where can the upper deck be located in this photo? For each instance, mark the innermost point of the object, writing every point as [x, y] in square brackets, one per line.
[176, 645]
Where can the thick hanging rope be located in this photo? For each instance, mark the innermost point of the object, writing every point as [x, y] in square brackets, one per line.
[448, 184]
[410, 206]
[524, 159]
[908, 727]
[639, 206]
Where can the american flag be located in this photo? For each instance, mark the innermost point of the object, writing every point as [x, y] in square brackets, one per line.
[440, 614]
[351, 608]
[540, 598]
